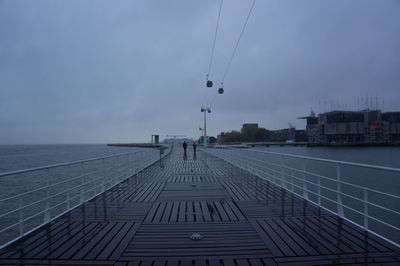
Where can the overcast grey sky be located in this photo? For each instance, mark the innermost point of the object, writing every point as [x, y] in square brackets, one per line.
[80, 71]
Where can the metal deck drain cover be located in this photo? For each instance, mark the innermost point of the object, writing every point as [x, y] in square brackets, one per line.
[196, 236]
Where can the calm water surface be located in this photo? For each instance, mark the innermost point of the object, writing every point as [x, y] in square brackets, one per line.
[17, 157]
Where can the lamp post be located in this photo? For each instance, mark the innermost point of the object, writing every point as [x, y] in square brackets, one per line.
[205, 110]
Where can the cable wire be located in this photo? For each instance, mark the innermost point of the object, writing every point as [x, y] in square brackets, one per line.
[213, 99]
[212, 52]
[237, 43]
[215, 39]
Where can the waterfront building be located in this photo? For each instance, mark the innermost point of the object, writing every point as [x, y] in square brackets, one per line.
[391, 126]
[365, 127]
[283, 135]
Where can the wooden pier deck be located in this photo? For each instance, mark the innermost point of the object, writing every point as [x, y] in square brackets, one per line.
[148, 220]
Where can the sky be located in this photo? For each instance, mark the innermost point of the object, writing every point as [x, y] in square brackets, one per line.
[95, 71]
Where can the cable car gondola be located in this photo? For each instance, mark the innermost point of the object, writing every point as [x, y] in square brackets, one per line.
[209, 83]
[221, 89]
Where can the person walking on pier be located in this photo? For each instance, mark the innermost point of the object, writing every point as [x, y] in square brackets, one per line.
[194, 147]
[184, 145]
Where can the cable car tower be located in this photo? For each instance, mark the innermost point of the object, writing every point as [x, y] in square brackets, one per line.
[205, 110]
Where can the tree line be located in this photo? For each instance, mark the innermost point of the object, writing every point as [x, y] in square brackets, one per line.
[247, 134]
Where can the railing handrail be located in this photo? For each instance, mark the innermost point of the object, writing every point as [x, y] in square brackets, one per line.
[331, 179]
[58, 198]
[27, 170]
[296, 181]
[378, 167]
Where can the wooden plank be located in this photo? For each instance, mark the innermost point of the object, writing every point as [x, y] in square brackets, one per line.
[340, 234]
[125, 242]
[236, 211]
[156, 192]
[121, 263]
[148, 196]
[30, 262]
[189, 211]
[26, 244]
[332, 237]
[269, 261]
[339, 259]
[146, 263]
[229, 262]
[72, 241]
[100, 246]
[165, 253]
[174, 213]
[288, 238]
[278, 239]
[308, 247]
[200, 262]
[213, 211]
[167, 212]
[89, 245]
[266, 238]
[159, 263]
[54, 241]
[228, 211]
[115, 240]
[152, 212]
[315, 236]
[140, 197]
[197, 211]
[159, 213]
[256, 262]
[206, 212]
[182, 211]
[214, 262]
[186, 263]
[221, 211]
[372, 242]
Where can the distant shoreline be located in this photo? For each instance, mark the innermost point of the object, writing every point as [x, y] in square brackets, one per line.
[302, 144]
[137, 145]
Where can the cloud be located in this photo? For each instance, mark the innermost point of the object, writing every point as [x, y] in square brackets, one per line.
[97, 72]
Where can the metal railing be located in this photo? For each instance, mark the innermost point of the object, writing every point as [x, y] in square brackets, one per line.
[34, 197]
[365, 195]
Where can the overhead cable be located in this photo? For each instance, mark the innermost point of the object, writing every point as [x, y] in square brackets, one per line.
[237, 43]
[215, 39]
[212, 51]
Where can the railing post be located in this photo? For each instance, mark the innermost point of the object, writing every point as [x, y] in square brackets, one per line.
[365, 209]
[103, 186]
[68, 195]
[21, 216]
[305, 192]
[282, 169]
[319, 191]
[47, 206]
[82, 195]
[128, 166]
[339, 191]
